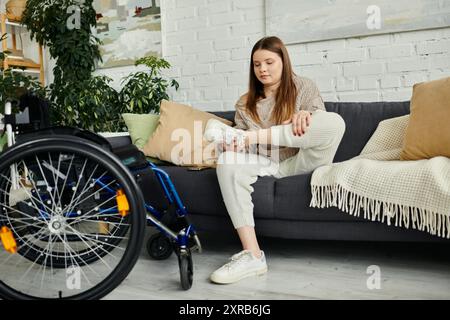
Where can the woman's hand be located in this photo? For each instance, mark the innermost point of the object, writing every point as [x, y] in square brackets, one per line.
[233, 146]
[227, 147]
[300, 122]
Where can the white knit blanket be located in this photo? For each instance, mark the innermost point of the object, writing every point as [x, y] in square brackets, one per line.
[410, 194]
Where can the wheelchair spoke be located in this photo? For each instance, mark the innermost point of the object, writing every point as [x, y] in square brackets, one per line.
[87, 214]
[97, 224]
[24, 214]
[10, 256]
[31, 197]
[97, 241]
[115, 224]
[94, 238]
[90, 196]
[31, 266]
[74, 261]
[14, 229]
[35, 188]
[76, 187]
[94, 250]
[65, 179]
[23, 224]
[44, 264]
[56, 195]
[49, 188]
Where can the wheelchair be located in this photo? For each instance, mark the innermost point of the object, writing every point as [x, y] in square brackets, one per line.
[73, 214]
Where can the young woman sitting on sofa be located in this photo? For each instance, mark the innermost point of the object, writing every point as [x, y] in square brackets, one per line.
[284, 116]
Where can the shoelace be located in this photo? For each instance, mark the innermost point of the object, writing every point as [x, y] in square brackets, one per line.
[236, 259]
[230, 135]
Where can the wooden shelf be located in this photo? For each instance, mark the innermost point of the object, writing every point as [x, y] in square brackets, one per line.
[15, 54]
[34, 71]
[25, 63]
[15, 59]
[14, 24]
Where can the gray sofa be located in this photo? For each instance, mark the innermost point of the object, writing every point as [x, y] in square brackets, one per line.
[282, 205]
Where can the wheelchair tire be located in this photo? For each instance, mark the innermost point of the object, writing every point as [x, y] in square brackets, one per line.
[159, 247]
[62, 250]
[186, 268]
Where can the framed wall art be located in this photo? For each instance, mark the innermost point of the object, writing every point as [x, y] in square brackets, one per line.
[129, 29]
[317, 20]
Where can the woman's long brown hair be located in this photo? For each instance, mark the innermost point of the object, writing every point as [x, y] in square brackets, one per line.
[287, 92]
[286, 95]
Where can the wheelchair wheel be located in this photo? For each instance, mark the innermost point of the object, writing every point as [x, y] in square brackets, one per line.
[71, 217]
[159, 247]
[186, 268]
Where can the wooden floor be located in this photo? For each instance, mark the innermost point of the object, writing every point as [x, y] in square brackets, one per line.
[301, 270]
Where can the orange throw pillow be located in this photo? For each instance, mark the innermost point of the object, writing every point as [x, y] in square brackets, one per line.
[428, 131]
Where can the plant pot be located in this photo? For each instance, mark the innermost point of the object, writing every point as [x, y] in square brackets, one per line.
[15, 9]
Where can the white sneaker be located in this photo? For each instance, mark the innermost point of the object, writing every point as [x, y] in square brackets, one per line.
[219, 132]
[242, 265]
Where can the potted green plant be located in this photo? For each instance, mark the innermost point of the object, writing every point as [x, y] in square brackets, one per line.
[143, 91]
[78, 98]
[74, 47]
[90, 104]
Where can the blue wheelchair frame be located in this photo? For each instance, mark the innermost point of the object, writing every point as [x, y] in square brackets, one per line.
[171, 195]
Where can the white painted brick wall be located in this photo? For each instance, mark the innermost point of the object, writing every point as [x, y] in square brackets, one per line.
[221, 45]
[208, 43]
[382, 67]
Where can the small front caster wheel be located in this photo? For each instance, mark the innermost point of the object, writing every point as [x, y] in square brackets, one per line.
[159, 247]
[186, 269]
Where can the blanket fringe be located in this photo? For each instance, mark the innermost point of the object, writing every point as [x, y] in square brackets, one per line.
[402, 215]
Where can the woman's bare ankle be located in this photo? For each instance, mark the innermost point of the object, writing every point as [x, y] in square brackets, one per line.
[257, 254]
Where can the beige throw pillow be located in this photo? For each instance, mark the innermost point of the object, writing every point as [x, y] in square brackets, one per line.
[428, 131]
[178, 137]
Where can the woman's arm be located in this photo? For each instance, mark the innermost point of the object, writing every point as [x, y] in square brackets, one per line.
[240, 123]
[309, 97]
[239, 120]
[309, 100]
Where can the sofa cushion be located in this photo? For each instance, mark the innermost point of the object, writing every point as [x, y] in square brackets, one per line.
[292, 198]
[428, 131]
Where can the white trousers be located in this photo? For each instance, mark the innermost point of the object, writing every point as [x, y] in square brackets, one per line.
[237, 172]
